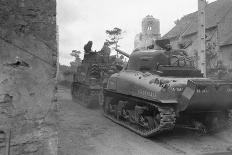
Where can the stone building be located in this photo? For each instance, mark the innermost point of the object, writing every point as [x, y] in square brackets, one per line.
[218, 33]
[28, 57]
[150, 32]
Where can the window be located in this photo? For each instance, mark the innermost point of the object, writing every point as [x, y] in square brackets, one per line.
[149, 28]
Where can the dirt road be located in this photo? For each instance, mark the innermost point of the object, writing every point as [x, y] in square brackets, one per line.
[87, 132]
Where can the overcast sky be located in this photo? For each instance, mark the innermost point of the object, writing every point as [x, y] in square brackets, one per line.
[83, 20]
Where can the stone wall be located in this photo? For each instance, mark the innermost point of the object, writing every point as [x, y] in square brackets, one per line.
[28, 54]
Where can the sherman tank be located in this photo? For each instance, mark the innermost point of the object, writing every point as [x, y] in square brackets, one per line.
[160, 89]
[91, 76]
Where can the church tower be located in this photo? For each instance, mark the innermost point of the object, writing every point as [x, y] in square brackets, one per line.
[150, 32]
[150, 26]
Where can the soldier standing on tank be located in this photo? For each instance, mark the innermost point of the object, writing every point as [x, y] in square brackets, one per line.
[88, 47]
[87, 50]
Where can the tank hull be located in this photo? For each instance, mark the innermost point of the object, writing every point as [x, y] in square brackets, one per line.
[186, 93]
[186, 107]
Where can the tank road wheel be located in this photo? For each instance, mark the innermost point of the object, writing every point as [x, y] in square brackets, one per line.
[229, 117]
[101, 98]
[157, 118]
[106, 106]
[119, 109]
[153, 121]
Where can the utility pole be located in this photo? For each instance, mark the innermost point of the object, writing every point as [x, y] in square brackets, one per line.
[201, 35]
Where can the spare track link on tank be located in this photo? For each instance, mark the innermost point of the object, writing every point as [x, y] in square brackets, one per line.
[167, 121]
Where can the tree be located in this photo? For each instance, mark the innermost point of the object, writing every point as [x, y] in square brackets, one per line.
[76, 54]
[77, 61]
[114, 36]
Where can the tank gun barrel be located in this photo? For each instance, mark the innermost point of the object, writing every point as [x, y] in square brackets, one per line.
[122, 52]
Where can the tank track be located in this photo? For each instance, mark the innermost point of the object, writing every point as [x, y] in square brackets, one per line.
[167, 122]
[230, 118]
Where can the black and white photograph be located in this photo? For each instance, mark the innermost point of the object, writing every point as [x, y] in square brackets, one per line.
[122, 77]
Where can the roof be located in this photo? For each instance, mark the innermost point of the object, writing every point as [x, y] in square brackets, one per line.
[214, 14]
